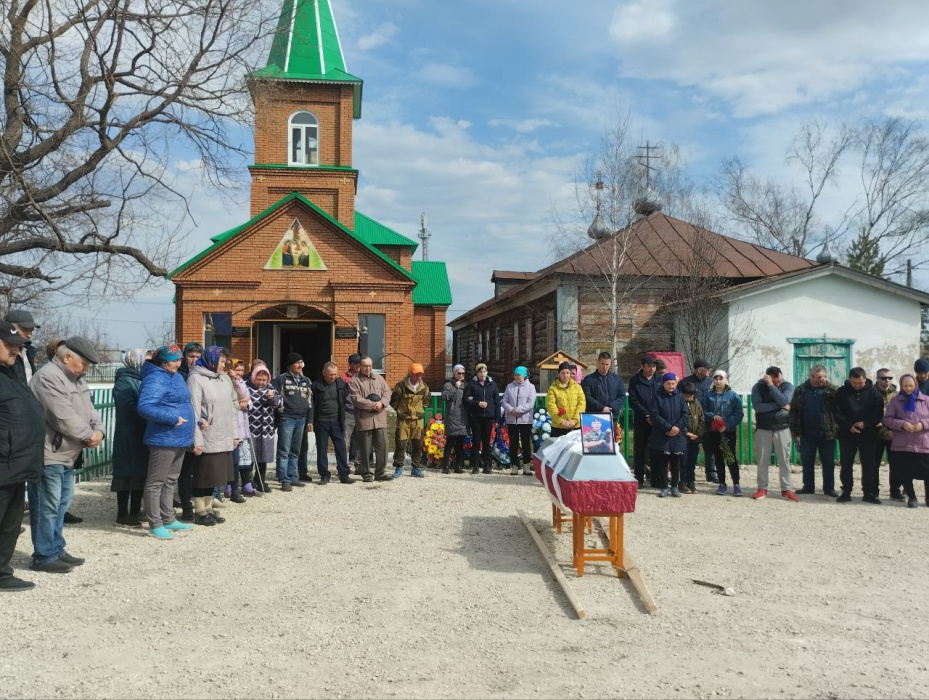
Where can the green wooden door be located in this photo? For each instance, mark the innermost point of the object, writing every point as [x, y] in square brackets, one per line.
[833, 353]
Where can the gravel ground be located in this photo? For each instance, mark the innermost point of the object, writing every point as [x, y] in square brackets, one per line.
[432, 588]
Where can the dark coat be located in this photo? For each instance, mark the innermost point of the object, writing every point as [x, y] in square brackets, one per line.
[27, 355]
[602, 391]
[130, 454]
[642, 393]
[319, 386]
[829, 412]
[22, 431]
[703, 386]
[769, 402]
[475, 393]
[456, 412]
[853, 405]
[669, 410]
[727, 404]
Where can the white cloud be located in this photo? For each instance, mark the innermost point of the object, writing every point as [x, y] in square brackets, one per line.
[487, 203]
[444, 74]
[765, 57]
[383, 34]
[525, 126]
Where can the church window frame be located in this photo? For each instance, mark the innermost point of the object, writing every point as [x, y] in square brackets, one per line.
[303, 139]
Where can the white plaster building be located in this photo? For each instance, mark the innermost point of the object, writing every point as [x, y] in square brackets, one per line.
[829, 315]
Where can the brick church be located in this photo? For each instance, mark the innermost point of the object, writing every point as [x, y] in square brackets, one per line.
[308, 273]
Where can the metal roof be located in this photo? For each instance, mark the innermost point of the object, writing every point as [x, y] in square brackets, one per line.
[375, 233]
[222, 238]
[307, 48]
[432, 287]
[662, 246]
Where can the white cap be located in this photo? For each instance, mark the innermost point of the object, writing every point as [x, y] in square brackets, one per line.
[720, 373]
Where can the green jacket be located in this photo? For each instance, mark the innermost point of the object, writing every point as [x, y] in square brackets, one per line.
[697, 423]
[829, 411]
[409, 404]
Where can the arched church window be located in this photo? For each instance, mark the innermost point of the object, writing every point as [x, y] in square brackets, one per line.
[304, 139]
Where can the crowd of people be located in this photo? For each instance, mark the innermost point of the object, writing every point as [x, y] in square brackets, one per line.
[195, 428]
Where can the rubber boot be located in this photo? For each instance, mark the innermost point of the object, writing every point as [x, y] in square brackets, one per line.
[459, 462]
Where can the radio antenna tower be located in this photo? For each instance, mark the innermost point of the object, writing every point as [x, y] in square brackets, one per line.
[424, 236]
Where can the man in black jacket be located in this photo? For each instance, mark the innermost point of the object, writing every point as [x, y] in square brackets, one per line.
[296, 417]
[641, 395]
[22, 419]
[604, 390]
[859, 410]
[25, 361]
[328, 417]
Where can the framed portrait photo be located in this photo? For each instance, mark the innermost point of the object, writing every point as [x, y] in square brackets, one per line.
[597, 436]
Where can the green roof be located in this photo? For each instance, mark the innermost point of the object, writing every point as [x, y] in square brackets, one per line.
[306, 47]
[222, 238]
[375, 233]
[432, 288]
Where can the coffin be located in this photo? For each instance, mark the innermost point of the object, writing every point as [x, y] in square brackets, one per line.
[585, 484]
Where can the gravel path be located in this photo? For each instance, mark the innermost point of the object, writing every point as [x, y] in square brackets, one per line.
[432, 588]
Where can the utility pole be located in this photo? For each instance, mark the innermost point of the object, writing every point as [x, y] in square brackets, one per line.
[424, 236]
[647, 157]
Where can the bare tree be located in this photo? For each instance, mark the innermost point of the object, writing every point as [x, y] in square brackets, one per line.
[785, 217]
[596, 235]
[100, 98]
[892, 223]
[694, 304]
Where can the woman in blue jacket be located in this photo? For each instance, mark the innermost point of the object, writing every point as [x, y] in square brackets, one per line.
[668, 439]
[723, 409]
[164, 402]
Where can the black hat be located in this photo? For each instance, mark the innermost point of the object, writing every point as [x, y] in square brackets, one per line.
[84, 348]
[565, 365]
[9, 334]
[354, 359]
[702, 364]
[22, 318]
[373, 397]
[294, 358]
[648, 360]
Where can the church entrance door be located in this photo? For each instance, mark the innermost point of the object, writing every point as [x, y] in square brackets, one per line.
[312, 341]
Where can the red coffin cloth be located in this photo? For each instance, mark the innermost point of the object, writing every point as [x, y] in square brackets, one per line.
[591, 497]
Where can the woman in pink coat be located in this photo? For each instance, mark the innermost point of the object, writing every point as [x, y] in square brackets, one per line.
[907, 417]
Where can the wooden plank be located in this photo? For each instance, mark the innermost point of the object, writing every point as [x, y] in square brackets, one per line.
[553, 566]
[635, 578]
[633, 574]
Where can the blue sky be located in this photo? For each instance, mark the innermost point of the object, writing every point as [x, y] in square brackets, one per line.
[478, 112]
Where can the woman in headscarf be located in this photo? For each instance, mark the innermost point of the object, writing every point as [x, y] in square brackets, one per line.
[518, 403]
[130, 455]
[668, 441]
[907, 417]
[164, 402]
[242, 455]
[263, 403]
[216, 434]
[456, 419]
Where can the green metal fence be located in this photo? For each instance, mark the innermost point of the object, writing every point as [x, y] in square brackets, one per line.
[745, 435]
[98, 461]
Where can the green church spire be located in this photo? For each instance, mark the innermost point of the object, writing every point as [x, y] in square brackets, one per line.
[306, 47]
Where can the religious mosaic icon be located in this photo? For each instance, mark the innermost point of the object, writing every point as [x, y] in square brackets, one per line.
[295, 251]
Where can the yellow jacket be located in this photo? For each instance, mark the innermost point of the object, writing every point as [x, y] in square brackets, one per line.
[570, 398]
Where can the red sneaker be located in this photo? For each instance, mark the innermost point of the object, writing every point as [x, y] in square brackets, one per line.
[759, 494]
[790, 496]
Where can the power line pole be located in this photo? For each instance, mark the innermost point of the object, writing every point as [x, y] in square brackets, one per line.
[647, 157]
